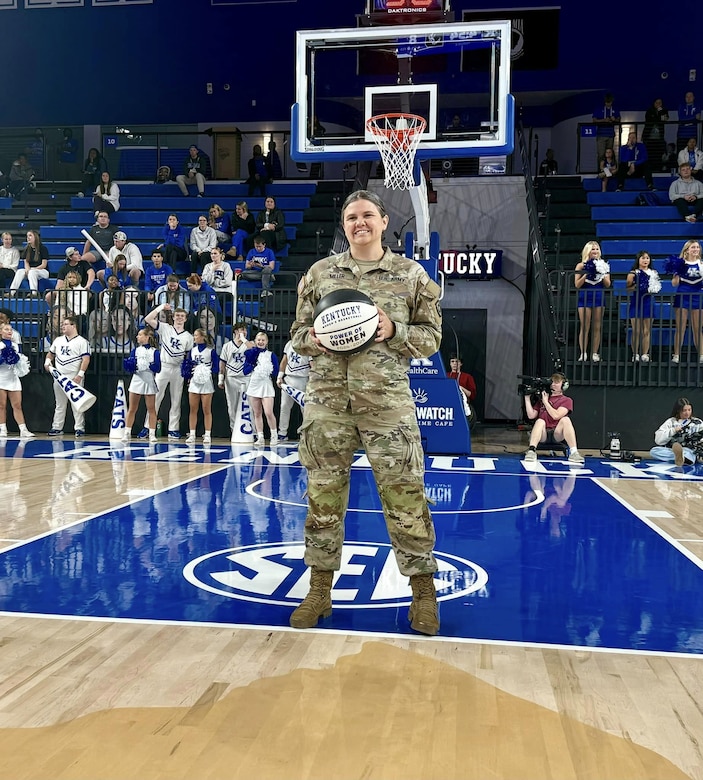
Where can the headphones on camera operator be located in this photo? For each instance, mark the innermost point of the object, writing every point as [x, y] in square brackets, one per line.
[564, 380]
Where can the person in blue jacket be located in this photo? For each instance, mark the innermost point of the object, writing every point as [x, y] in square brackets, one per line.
[175, 243]
[634, 162]
[205, 309]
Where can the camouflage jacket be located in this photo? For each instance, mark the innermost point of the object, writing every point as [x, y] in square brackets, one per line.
[376, 378]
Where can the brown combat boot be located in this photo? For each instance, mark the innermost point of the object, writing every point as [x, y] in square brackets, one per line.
[318, 602]
[423, 613]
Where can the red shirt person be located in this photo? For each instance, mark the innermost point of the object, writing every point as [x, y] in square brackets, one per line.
[552, 416]
[467, 385]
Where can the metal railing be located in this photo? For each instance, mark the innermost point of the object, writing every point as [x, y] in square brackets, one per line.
[617, 366]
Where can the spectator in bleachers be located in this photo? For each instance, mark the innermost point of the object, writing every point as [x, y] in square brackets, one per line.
[686, 193]
[118, 269]
[99, 319]
[205, 309]
[156, 274]
[131, 252]
[173, 294]
[634, 162]
[73, 298]
[203, 240]
[34, 267]
[107, 195]
[688, 271]
[10, 385]
[122, 332]
[174, 243]
[689, 114]
[608, 168]
[73, 263]
[669, 161]
[194, 168]
[103, 233]
[592, 276]
[642, 282]
[273, 162]
[258, 173]
[605, 118]
[692, 155]
[243, 228]
[93, 168]
[9, 260]
[22, 177]
[218, 272]
[653, 133]
[219, 221]
[549, 166]
[272, 224]
[260, 264]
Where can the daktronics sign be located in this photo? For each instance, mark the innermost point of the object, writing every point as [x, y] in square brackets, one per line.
[471, 265]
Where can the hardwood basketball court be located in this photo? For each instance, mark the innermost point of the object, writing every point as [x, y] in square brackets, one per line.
[130, 650]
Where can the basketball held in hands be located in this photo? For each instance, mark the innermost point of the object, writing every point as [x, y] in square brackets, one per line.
[345, 321]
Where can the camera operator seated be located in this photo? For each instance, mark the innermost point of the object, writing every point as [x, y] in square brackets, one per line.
[680, 437]
[552, 421]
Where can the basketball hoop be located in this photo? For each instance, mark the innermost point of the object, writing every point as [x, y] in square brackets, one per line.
[397, 137]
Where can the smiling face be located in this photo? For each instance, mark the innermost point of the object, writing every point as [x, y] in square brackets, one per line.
[179, 319]
[261, 340]
[693, 253]
[363, 224]
[594, 251]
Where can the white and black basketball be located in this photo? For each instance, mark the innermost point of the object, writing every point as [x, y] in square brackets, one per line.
[345, 321]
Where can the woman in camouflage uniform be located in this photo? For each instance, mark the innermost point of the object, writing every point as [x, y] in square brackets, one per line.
[364, 401]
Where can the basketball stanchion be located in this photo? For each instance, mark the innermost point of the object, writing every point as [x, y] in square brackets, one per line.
[243, 430]
[119, 413]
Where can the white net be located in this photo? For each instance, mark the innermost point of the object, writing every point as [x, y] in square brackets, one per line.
[397, 137]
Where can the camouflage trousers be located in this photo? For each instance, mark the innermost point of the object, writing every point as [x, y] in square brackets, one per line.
[391, 439]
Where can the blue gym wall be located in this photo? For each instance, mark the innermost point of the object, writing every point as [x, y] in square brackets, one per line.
[149, 63]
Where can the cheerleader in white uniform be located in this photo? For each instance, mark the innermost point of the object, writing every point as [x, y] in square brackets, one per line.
[260, 365]
[200, 366]
[10, 385]
[144, 362]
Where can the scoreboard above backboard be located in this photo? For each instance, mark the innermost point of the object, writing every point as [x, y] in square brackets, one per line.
[406, 11]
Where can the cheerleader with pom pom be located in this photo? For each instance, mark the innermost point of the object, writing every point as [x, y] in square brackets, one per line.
[199, 367]
[592, 276]
[261, 365]
[643, 282]
[10, 385]
[144, 362]
[687, 276]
